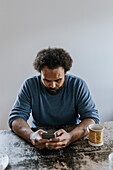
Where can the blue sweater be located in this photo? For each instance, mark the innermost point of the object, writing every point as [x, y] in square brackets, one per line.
[72, 103]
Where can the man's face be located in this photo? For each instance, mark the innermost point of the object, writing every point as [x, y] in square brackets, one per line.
[53, 79]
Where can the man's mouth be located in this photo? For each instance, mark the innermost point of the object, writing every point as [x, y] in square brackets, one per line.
[52, 91]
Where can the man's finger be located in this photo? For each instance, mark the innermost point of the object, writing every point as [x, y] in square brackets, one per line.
[33, 141]
[41, 131]
[54, 140]
[54, 144]
[59, 132]
[41, 140]
[40, 146]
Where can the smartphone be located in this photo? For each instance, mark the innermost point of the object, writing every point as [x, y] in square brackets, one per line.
[48, 135]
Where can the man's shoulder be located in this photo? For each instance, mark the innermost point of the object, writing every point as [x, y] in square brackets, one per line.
[32, 80]
[73, 79]
[75, 82]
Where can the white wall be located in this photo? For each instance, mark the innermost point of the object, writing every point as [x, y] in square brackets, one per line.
[82, 27]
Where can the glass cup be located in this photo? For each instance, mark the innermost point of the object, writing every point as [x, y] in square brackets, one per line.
[111, 161]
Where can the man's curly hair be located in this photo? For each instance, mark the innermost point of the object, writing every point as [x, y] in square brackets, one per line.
[53, 58]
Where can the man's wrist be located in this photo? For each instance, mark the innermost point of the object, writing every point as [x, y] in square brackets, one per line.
[31, 137]
[71, 136]
[76, 134]
[27, 133]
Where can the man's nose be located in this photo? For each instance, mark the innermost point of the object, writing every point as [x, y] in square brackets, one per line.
[53, 85]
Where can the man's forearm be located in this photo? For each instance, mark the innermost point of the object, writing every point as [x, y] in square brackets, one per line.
[81, 129]
[22, 129]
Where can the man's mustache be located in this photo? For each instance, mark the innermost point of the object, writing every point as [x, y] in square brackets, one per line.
[49, 88]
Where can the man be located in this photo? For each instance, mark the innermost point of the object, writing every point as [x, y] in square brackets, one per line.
[54, 98]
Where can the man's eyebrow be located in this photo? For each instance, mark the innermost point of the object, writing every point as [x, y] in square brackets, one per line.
[58, 79]
[53, 80]
[47, 80]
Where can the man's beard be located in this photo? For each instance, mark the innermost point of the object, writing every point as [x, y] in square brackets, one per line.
[53, 91]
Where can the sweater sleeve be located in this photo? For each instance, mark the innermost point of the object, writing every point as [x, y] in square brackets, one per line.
[85, 105]
[22, 106]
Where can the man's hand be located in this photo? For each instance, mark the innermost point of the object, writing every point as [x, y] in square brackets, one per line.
[37, 140]
[61, 140]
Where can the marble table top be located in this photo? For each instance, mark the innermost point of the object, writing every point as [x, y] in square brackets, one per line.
[79, 155]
